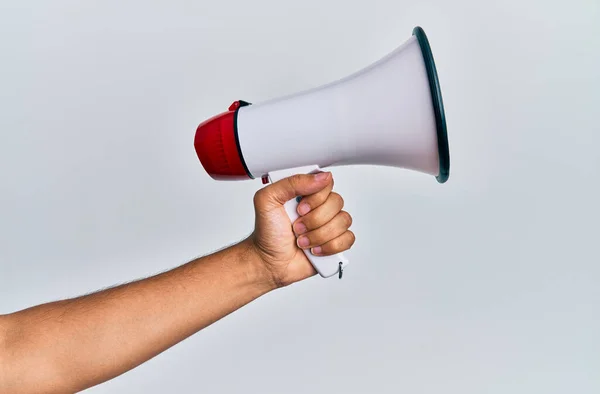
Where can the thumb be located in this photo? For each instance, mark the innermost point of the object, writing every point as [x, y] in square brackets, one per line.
[286, 189]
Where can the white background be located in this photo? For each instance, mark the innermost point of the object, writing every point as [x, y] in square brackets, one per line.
[487, 284]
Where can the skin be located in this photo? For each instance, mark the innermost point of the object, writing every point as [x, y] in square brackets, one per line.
[70, 345]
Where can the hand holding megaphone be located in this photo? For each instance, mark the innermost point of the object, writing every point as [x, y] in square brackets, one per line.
[321, 227]
[390, 113]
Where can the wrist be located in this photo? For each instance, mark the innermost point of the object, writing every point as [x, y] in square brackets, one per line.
[256, 270]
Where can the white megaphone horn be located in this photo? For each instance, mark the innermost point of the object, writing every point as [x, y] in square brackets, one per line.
[390, 113]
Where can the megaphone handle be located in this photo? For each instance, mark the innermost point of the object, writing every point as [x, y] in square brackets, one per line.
[326, 266]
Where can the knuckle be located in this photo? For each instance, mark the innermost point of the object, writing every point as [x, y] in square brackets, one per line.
[338, 199]
[260, 196]
[347, 218]
[352, 238]
[292, 181]
[296, 180]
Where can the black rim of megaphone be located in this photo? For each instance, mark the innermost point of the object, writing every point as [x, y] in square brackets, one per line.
[438, 105]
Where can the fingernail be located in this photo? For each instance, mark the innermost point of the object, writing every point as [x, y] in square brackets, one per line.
[316, 250]
[321, 176]
[300, 228]
[303, 209]
[303, 242]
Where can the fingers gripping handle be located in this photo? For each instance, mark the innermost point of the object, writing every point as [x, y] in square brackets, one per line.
[326, 266]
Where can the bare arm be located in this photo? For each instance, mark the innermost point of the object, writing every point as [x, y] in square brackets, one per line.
[74, 344]
[71, 345]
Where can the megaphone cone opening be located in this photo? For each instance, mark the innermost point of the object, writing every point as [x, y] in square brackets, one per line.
[438, 105]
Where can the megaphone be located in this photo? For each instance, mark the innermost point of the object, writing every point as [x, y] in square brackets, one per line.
[389, 113]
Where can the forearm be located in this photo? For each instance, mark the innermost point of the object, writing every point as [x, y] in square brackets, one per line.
[73, 344]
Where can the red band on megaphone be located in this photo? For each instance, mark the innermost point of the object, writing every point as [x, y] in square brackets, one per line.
[217, 148]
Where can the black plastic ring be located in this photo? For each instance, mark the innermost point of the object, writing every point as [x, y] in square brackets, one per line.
[438, 105]
[237, 140]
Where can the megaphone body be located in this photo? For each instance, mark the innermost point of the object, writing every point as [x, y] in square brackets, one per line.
[390, 113]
